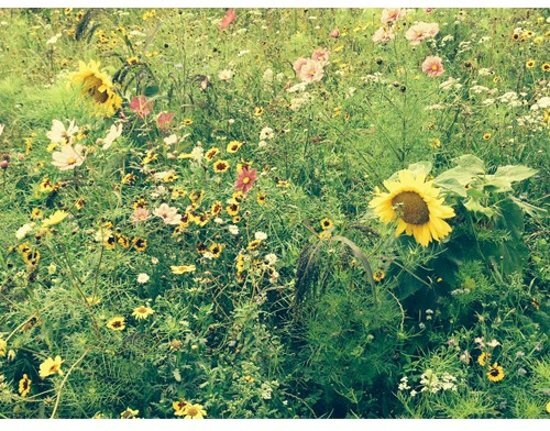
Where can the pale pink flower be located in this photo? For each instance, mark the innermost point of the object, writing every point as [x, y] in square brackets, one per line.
[311, 71]
[141, 106]
[229, 17]
[168, 214]
[383, 35]
[140, 215]
[69, 157]
[335, 33]
[321, 55]
[298, 64]
[164, 119]
[392, 15]
[433, 66]
[422, 31]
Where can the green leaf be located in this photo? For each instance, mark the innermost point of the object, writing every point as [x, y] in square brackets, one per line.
[456, 179]
[474, 205]
[504, 176]
[421, 167]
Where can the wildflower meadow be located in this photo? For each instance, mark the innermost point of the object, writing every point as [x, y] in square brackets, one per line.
[274, 213]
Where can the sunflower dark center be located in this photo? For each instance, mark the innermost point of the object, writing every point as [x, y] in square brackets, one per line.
[411, 207]
[494, 372]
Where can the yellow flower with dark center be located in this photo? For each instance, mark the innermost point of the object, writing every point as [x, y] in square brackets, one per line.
[215, 250]
[142, 312]
[415, 205]
[211, 153]
[221, 166]
[326, 224]
[545, 67]
[232, 209]
[116, 323]
[378, 275]
[128, 179]
[139, 203]
[36, 213]
[240, 263]
[110, 242]
[483, 358]
[123, 241]
[31, 257]
[187, 122]
[194, 411]
[25, 386]
[129, 413]
[50, 367]
[530, 64]
[182, 269]
[487, 136]
[254, 244]
[80, 203]
[496, 373]
[261, 198]
[258, 111]
[140, 244]
[196, 196]
[179, 407]
[98, 86]
[216, 208]
[132, 60]
[234, 146]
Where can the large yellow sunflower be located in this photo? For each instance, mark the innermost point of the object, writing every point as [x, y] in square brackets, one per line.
[416, 206]
[98, 86]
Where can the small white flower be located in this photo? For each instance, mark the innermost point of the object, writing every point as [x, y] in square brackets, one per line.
[266, 133]
[171, 140]
[233, 229]
[58, 134]
[24, 230]
[260, 236]
[53, 40]
[225, 75]
[142, 278]
[270, 259]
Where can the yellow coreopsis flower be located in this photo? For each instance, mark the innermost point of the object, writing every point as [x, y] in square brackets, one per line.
[50, 367]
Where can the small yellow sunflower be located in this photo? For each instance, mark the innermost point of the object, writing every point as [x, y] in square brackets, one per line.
[98, 86]
[142, 312]
[416, 206]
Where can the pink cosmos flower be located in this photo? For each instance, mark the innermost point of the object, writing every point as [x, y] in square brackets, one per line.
[168, 214]
[246, 179]
[310, 71]
[140, 215]
[298, 64]
[229, 17]
[164, 119]
[141, 106]
[433, 66]
[422, 31]
[335, 33]
[383, 35]
[392, 15]
[321, 55]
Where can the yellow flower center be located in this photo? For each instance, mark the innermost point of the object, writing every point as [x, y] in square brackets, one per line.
[192, 411]
[246, 180]
[71, 161]
[411, 207]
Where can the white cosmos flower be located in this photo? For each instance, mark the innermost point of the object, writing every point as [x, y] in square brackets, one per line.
[69, 157]
[58, 134]
[114, 133]
[260, 236]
